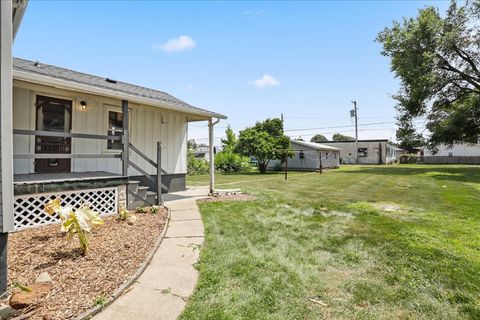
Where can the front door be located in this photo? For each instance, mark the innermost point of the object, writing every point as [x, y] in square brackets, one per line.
[54, 115]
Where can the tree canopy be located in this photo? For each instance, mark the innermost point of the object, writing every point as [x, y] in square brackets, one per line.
[318, 138]
[230, 142]
[341, 137]
[437, 60]
[265, 141]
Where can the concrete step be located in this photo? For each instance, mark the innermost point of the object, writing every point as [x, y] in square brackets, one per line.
[142, 191]
[133, 185]
[151, 197]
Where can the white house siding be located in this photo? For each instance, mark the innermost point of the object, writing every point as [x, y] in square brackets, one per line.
[459, 153]
[311, 159]
[377, 151]
[146, 128]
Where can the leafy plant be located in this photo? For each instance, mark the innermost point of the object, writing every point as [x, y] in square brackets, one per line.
[154, 210]
[22, 287]
[228, 161]
[79, 222]
[142, 209]
[196, 166]
[100, 301]
[123, 214]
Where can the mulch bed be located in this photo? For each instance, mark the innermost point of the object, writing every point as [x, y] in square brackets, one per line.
[228, 196]
[117, 249]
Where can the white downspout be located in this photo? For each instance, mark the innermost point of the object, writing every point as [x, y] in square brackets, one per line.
[211, 153]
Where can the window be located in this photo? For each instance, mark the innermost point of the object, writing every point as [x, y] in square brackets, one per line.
[301, 155]
[362, 152]
[450, 154]
[115, 128]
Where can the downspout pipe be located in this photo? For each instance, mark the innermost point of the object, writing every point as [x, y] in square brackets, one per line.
[211, 123]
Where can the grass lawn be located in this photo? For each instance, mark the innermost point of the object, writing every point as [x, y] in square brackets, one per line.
[371, 242]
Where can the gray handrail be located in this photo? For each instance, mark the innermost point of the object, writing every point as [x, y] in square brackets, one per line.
[65, 134]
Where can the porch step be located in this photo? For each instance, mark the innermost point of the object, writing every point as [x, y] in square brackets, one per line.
[142, 191]
[133, 185]
[151, 197]
[144, 197]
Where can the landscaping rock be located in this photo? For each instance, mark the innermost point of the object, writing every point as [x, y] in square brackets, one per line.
[44, 277]
[23, 299]
[7, 312]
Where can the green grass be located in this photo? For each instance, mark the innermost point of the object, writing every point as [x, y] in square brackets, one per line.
[372, 242]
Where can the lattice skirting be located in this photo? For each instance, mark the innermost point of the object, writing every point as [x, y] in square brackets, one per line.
[29, 209]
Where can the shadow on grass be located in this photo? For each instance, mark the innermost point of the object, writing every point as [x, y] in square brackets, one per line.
[462, 174]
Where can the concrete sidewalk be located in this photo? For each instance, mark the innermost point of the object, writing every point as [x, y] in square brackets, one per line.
[162, 290]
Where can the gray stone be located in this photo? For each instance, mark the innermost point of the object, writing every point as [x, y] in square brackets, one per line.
[44, 277]
[7, 312]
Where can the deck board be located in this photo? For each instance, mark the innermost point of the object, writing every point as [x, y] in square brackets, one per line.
[57, 177]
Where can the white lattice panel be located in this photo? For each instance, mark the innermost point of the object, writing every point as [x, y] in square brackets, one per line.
[29, 209]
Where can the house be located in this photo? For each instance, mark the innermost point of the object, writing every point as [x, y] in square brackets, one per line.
[369, 151]
[309, 156]
[95, 140]
[201, 152]
[458, 153]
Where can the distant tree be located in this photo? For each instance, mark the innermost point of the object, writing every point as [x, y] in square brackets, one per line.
[319, 138]
[265, 141]
[437, 60]
[299, 139]
[230, 142]
[341, 137]
[408, 137]
[191, 144]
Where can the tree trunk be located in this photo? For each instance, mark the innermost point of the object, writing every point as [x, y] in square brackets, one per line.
[262, 167]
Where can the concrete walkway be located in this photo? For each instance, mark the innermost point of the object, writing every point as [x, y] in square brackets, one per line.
[161, 291]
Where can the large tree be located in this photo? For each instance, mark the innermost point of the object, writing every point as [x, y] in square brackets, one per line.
[342, 137]
[319, 138]
[437, 60]
[265, 141]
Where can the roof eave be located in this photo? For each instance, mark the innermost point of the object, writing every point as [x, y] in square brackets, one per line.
[79, 87]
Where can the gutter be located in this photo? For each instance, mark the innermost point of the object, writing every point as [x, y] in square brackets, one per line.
[79, 87]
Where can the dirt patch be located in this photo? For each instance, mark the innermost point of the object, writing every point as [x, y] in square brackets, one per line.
[228, 196]
[117, 249]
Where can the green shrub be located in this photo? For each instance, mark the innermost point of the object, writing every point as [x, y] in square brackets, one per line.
[228, 161]
[196, 166]
[408, 158]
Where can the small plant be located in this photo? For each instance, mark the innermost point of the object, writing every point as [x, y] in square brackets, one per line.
[22, 287]
[154, 210]
[123, 214]
[141, 209]
[79, 222]
[100, 301]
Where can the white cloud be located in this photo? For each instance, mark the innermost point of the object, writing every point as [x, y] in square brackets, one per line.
[265, 81]
[253, 12]
[179, 44]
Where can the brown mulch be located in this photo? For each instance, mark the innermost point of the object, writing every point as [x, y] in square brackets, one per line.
[117, 249]
[219, 197]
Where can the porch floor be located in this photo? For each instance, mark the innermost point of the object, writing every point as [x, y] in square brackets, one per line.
[32, 178]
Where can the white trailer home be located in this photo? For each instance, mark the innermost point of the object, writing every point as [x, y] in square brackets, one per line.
[379, 151]
[88, 139]
[309, 156]
[458, 153]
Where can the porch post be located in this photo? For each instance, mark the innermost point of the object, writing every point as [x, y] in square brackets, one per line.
[211, 155]
[159, 173]
[125, 138]
[6, 138]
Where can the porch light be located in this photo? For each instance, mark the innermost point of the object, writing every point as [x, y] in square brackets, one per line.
[83, 104]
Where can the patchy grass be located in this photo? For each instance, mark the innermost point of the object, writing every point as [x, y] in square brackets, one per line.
[371, 242]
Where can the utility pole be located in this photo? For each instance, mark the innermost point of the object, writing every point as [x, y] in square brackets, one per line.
[281, 117]
[354, 114]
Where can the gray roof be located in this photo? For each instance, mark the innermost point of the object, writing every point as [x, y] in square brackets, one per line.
[113, 86]
[314, 145]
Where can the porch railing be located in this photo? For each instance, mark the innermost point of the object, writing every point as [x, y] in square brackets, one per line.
[124, 157]
[157, 165]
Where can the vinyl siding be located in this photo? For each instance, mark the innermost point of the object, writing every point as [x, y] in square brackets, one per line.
[146, 128]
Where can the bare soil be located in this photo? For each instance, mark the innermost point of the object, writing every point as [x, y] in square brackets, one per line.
[219, 197]
[117, 249]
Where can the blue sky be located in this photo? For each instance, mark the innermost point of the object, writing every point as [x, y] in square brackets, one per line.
[247, 60]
